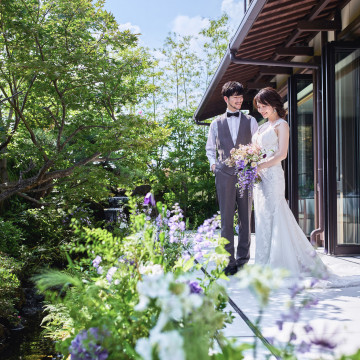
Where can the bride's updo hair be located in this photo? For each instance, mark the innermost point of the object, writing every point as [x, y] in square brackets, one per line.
[269, 96]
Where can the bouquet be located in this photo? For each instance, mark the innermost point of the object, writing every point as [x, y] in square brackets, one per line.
[246, 159]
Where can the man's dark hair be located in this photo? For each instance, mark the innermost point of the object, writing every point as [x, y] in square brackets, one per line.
[232, 88]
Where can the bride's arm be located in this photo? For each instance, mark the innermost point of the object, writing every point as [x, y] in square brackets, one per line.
[282, 131]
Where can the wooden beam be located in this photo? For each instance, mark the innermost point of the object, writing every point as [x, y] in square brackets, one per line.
[259, 84]
[351, 32]
[274, 70]
[319, 25]
[295, 51]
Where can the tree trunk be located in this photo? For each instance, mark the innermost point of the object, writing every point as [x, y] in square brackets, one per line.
[4, 177]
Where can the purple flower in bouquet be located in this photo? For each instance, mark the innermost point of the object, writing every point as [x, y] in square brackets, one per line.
[245, 161]
[149, 199]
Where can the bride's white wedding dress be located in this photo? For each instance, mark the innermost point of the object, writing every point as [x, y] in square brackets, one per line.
[280, 242]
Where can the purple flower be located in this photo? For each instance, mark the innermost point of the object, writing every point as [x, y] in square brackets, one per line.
[195, 287]
[96, 262]
[293, 315]
[186, 257]
[87, 345]
[307, 303]
[295, 290]
[185, 240]
[197, 247]
[324, 343]
[308, 328]
[111, 273]
[280, 324]
[149, 199]
[304, 347]
[325, 340]
[198, 238]
[176, 226]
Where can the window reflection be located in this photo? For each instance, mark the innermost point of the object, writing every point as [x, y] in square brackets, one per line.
[305, 156]
[347, 91]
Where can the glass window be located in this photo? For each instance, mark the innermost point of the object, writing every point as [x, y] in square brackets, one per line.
[305, 156]
[347, 113]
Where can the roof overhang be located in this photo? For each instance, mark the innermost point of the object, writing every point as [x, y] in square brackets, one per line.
[270, 34]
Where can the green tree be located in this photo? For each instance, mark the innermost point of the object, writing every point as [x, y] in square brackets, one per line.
[181, 170]
[70, 81]
[182, 70]
[217, 36]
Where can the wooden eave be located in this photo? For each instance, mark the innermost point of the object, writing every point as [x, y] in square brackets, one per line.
[267, 26]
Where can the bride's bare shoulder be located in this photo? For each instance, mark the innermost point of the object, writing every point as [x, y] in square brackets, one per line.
[281, 123]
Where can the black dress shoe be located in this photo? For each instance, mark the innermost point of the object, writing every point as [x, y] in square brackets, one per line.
[231, 269]
[240, 266]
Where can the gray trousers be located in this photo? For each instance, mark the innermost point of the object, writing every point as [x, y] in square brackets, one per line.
[229, 199]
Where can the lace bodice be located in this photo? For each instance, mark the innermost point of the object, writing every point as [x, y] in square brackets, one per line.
[266, 137]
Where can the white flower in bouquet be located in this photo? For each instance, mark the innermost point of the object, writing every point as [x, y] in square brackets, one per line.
[245, 160]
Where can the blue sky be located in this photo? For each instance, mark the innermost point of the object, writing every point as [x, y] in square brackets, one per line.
[154, 19]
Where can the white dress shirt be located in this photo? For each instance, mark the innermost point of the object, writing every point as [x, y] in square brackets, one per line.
[234, 124]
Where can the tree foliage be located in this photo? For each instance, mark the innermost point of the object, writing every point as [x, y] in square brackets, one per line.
[180, 76]
[69, 81]
[181, 170]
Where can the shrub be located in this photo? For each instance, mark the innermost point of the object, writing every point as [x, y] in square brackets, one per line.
[11, 237]
[9, 288]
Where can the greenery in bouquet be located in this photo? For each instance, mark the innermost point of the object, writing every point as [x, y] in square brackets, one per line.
[245, 159]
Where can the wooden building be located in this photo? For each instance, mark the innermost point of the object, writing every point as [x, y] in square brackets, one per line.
[309, 50]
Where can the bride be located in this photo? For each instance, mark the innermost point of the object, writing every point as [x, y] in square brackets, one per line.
[280, 242]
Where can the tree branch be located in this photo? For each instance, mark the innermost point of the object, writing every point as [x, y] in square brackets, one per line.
[20, 114]
[32, 199]
[25, 185]
[81, 128]
[47, 108]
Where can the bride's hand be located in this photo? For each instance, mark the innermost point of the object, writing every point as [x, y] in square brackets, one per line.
[259, 168]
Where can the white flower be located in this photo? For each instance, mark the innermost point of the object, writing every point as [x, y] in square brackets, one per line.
[143, 303]
[143, 348]
[170, 345]
[172, 307]
[151, 269]
[154, 286]
[191, 302]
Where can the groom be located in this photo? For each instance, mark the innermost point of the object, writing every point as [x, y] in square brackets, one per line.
[227, 132]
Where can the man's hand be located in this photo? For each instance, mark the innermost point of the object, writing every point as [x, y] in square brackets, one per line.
[213, 168]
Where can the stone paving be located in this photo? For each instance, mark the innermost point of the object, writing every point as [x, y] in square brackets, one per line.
[335, 317]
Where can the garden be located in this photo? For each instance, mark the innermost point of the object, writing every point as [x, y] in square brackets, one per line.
[88, 115]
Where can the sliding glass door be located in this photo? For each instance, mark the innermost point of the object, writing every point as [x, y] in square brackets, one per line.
[342, 141]
[301, 154]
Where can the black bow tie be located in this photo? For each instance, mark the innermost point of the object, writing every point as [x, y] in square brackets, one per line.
[228, 114]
